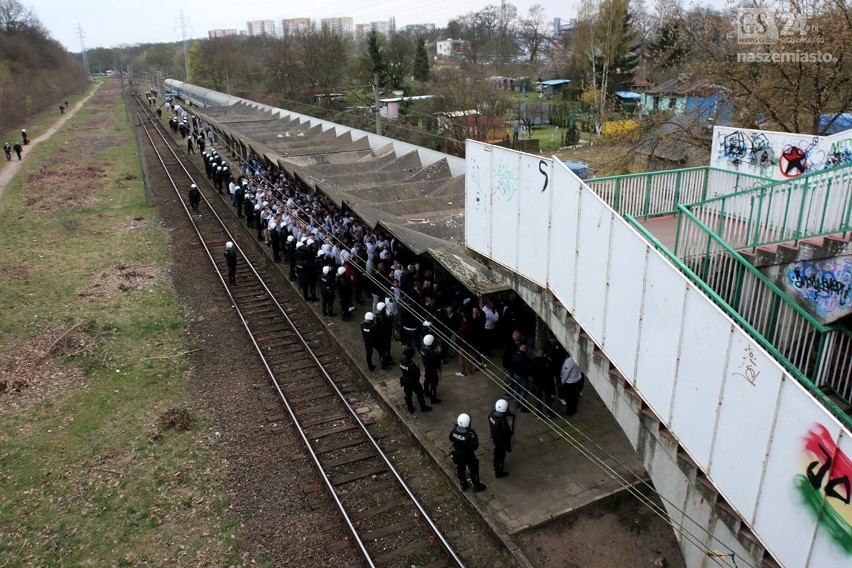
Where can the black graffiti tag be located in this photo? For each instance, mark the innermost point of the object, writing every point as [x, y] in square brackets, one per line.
[541, 165]
[815, 479]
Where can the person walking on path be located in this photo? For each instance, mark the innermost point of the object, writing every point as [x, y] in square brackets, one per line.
[18, 149]
[7, 148]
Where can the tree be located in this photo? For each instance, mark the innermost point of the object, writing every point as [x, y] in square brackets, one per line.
[399, 58]
[532, 31]
[15, 17]
[374, 59]
[421, 61]
[669, 49]
[801, 82]
[323, 60]
[601, 44]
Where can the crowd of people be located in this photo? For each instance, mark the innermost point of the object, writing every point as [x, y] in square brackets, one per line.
[334, 258]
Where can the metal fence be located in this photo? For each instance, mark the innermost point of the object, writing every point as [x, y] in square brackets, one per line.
[822, 354]
[659, 193]
[790, 210]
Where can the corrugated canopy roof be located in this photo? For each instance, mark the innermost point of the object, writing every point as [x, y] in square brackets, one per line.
[411, 192]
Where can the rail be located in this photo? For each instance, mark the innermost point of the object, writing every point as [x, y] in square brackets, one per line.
[819, 353]
[659, 193]
[811, 205]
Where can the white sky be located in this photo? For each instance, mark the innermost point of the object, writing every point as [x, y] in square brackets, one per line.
[110, 23]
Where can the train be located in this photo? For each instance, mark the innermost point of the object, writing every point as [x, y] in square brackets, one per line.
[199, 96]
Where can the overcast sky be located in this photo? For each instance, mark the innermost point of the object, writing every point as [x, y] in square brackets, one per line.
[110, 23]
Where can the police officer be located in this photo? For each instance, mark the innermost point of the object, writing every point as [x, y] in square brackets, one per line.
[501, 435]
[431, 356]
[344, 290]
[275, 239]
[328, 287]
[290, 255]
[231, 261]
[368, 332]
[465, 443]
[194, 197]
[384, 328]
[410, 381]
[303, 264]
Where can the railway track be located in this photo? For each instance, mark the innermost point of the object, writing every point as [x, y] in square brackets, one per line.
[387, 523]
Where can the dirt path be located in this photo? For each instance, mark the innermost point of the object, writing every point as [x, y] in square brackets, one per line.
[12, 167]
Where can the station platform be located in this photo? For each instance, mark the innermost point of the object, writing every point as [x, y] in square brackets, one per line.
[548, 478]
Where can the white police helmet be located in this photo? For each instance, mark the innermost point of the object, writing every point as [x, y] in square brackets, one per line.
[501, 406]
[194, 186]
[299, 245]
[291, 238]
[320, 253]
[428, 340]
[463, 421]
[273, 226]
[369, 316]
[326, 269]
[380, 306]
[229, 245]
[341, 271]
[310, 242]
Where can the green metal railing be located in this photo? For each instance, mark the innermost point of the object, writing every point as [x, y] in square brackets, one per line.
[780, 211]
[811, 355]
[821, 353]
[659, 193]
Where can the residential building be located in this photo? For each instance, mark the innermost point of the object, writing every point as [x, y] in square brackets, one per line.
[342, 26]
[295, 25]
[451, 48]
[261, 27]
[222, 33]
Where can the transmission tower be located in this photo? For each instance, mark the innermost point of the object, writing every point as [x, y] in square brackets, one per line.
[183, 26]
[81, 33]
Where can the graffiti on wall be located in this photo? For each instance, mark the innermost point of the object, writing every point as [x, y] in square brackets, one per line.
[825, 486]
[777, 155]
[825, 284]
[743, 148]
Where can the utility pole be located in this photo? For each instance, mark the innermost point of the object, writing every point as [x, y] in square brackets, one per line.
[81, 34]
[378, 108]
[183, 24]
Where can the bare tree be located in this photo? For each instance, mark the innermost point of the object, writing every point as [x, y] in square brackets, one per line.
[798, 78]
[533, 30]
[323, 60]
[15, 17]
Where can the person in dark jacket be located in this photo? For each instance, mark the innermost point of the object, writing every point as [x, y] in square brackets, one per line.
[368, 333]
[410, 381]
[384, 330]
[327, 289]
[194, 198]
[430, 354]
[501, 435]
[465, 443]
[543, 383]
[231, 261]
[521, 376]
[344, 290]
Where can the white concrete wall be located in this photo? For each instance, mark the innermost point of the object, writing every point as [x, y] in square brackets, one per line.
[741, 417]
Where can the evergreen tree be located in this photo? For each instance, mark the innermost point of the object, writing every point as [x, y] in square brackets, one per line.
[377, 61]
[421, 61]
[668, 49]
[626, 55]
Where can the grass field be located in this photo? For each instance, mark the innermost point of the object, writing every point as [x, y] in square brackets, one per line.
[90, 355]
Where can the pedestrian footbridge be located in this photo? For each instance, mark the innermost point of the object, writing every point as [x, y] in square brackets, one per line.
[732, 388]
